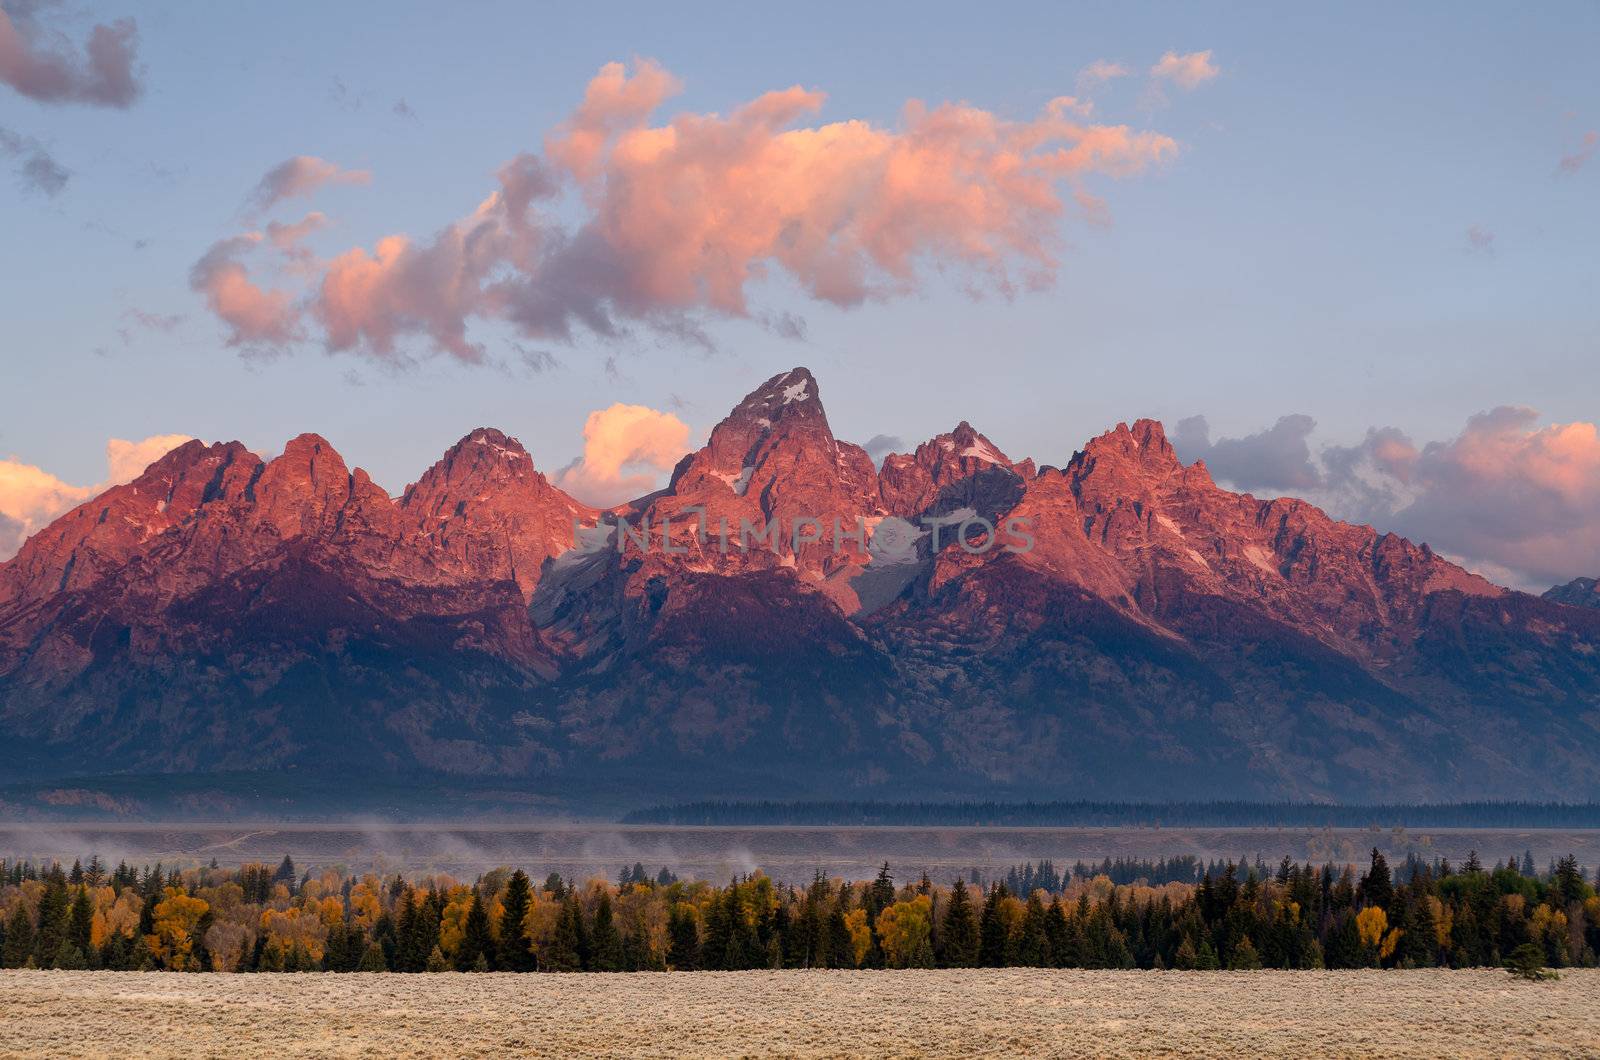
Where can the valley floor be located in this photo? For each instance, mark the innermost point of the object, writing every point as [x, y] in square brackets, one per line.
[1018, 1012]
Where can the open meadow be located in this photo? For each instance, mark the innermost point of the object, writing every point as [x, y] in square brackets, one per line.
[1016, 1012]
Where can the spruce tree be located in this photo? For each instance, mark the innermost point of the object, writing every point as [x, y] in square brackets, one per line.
[958, 937]
[516, 951]
[992, 941]
[80, 921]
[18, 947]
[606, 941]
[476, 941]
[683, 939]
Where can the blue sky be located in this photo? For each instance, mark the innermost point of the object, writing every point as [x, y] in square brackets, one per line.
[1306, 250]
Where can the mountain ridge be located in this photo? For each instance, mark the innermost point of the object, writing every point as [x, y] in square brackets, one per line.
[1118, 622]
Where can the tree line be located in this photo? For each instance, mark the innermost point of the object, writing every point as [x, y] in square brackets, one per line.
[260, 918]
[1126, 814]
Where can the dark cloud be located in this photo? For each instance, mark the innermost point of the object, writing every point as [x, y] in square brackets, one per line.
[44, 65]
[1276, 460]
[881, 445]
[36, 170]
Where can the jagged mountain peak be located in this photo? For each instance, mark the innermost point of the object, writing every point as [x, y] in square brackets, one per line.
[1579, 592]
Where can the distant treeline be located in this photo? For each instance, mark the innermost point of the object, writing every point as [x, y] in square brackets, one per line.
[1128, 814]
[257, 918]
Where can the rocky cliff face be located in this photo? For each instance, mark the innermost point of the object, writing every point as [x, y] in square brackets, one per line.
[1579, 592]
[783, 618]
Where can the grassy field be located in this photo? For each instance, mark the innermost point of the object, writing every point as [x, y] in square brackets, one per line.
[1014, 1012]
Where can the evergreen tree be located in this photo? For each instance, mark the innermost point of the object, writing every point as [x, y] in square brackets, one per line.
[1377, 886]
[1244, 958]
[683, 939]
[373, 960]
[80, 920]
[565, 953]
[18, 947]
[958, 935]
[516, 951]
[606, 941]
[992, 930]
[53, 922]
[476, 941]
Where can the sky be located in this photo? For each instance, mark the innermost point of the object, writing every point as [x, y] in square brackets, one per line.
[1346, 252]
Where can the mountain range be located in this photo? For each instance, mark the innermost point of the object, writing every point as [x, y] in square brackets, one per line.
[783, 619]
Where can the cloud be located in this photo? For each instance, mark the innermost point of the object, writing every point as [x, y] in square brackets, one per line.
[42, 65]
[677, 220]
[1277, 459]
[298, 178]
[1578, 159]
[31, 498]
[1480, 240]
[402, 109]
[1517, 501]
[625, 449]
[166, 323]
[1098, 73]
[37, 171]
[1186, 71]
[881, 445]
[256, 317]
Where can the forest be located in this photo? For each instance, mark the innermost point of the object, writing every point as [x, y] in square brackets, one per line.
[1084, 814]
[1167, 915]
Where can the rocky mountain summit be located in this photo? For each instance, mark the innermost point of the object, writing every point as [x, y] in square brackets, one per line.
[1579, 592]
[784, 618]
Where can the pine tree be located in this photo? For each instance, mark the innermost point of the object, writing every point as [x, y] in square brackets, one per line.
[516, 951]
[437, 963]
[607, 942]
[992, 930]
[52, 928]
[683, 939]
[1377, 886]
[565, 951]
[18, 948]
[80, 921]
[1244, 958]
[958, 937]
[476, 942]
[1033, 948]
[372, 960]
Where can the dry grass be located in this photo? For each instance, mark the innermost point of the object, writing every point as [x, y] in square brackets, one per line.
[1011, 1012]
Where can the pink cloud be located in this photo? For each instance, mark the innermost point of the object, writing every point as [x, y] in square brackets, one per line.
[1578, 159]
[43, 66]
[681, 218]
[1098, 73]
[256, 317]
[1186, 71]
[298, 178]
[626, 448]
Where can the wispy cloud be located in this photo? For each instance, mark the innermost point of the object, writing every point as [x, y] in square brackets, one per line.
[297, 178]
[37, 170]
[1578, 159]
[1188, 71]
